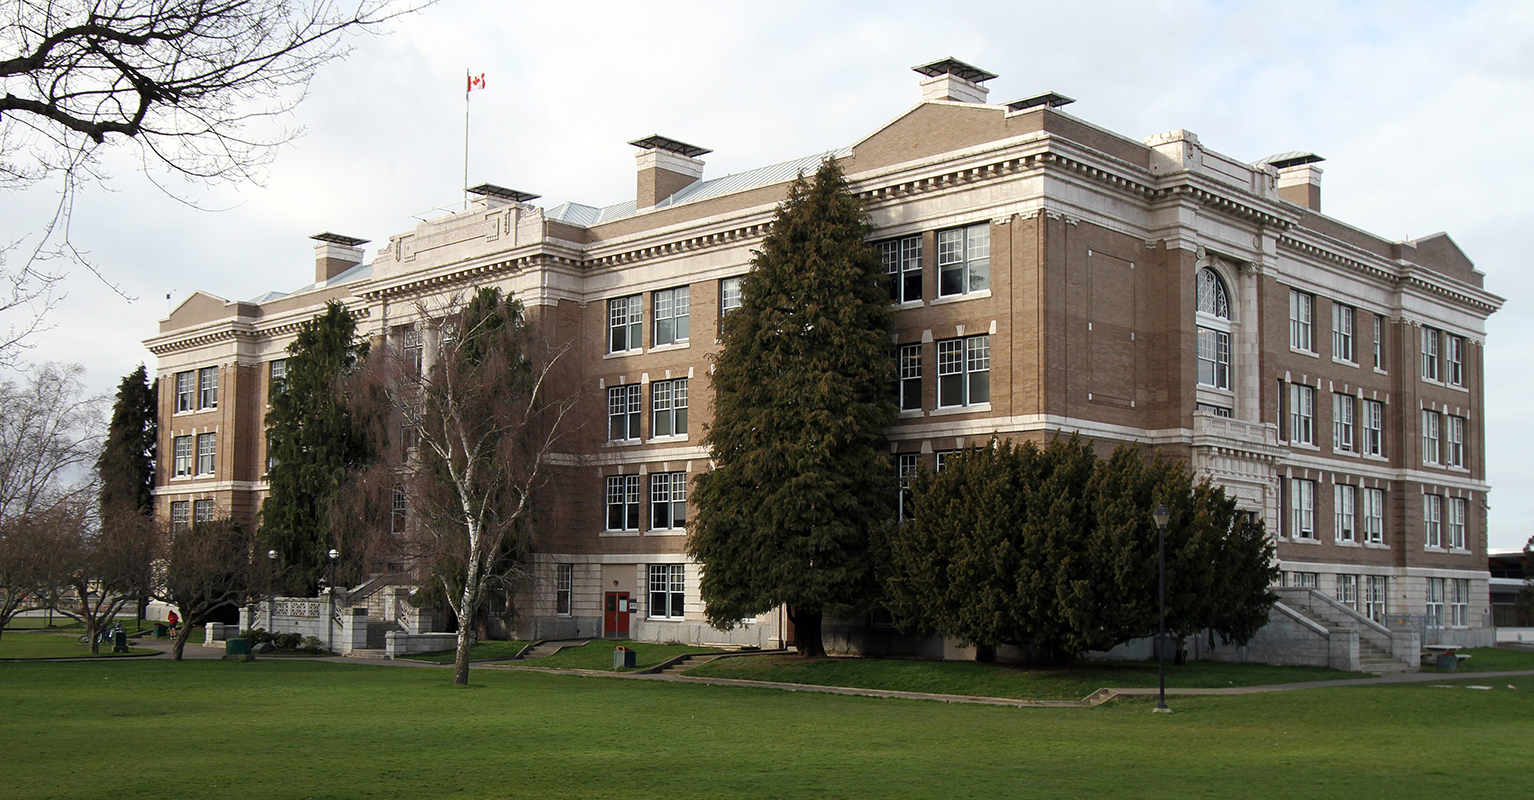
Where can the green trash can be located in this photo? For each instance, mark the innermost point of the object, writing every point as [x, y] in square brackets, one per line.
[623, 658]
[119, 640]
[1448, 662]
[161, 630]
[238, 650]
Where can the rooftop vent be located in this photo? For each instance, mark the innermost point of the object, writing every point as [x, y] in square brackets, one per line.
[1299, 179]
[657, 142]
[953, 80]
[666, 166]
[491, 191]
[335, 254]
[336, 238]
[1048, 100]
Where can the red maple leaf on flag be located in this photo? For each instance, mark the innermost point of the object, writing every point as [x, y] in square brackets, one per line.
[475, 82]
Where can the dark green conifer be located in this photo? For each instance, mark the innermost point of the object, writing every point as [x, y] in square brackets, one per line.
[126, 463]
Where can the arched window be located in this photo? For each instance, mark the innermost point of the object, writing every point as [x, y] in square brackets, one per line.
[1213, 330]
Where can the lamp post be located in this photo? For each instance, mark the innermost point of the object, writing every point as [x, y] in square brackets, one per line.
[330, 643]
[1161, 515]
[271, 602]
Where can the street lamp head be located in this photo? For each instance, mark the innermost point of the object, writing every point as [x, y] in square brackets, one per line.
[1162, 516]
[272, 554]
[334, 554]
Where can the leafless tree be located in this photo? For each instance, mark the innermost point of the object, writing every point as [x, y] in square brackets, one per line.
[49, 433]
[24, 552]
[108, 564]
[206, 568]
[193, 86]
[485, 426]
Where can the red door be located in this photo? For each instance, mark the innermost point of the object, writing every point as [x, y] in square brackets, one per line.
[615, 622]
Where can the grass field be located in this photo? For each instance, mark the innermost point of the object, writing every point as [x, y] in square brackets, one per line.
[994, 680]
[479, 651]
[598, 654]
[1493, 659]
[51, 645]
[273, 729]
[62, 623]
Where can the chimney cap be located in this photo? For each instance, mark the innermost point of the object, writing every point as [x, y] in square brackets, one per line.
[336, 238]
[501, 192]
[1293, 158]
[1048, 100]
[958, 69]
[658, 142]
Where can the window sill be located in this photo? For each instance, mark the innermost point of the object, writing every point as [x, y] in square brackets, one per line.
[680, 437]
[622, 442]
[1376, 546]
[666, 532]
[1344, 362]
[907, 305]
[1305, 446]
[1456, 388]
[1372, 457]
[665, 619]
[662, 348]
[959, 298]
[912, 413]
[1378, 371]
[1217, 390]
[621, 353]
[1346, 543]
[620, 533]
[1304, 540]
[1429, 549]
[1337, 451]
[978, 408]
[1297, 351]
[1458, 551]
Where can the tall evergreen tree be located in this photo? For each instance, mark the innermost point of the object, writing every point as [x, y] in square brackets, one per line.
[803, 387]
[126, 463]
[314, 440]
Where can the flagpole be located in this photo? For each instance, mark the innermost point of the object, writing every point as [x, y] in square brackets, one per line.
[467, 87]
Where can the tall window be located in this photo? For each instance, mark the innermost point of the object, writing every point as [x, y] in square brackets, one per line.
[1213, 331]
[668, 407]
[729, 295]
[202, 511]
[1454, 360]
[1432, 520]
[1344, 504]
[1342, 423]
[668, 590]
[623, 503]
[398, 509]
[909, 361]
[186, 391]
[1347, 590]
[1454, 441]
[180, 515]
[1342, 333]
[1301, 317]
[906, 467]
[1429, 437]
[182, 466]
[964, 260]
[625, 324]
[668, 501]
[1459, 603]
[623, 412]
[964, 372]
[206, 445]
[671, 315]
[1302, 414]
[902, 262]
[1373, 428]
[1379, 342]
[564, 575]
[207, 387]
[1430, 339]
[1302, 508]
[1374, 597]
[411, 349]
[278, 374]
[1374, 516]
[1435, 602]
[1457, 508]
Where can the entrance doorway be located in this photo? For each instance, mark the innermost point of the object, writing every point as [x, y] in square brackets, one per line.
[615, 620]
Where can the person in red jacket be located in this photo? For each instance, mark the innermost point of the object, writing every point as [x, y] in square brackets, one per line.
[174, 621]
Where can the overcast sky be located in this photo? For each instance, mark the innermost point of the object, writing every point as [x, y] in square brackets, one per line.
[1422, 111]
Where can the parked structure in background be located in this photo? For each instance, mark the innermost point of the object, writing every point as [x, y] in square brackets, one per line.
[1050, 276]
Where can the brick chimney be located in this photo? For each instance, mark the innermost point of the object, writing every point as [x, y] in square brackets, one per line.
[335, 254]
[666, 166]
[1299, 179]
[953, 80]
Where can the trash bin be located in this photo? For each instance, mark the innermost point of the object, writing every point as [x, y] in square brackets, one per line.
[119, 640]
[161, 630]
[237, 647]
[623, 658]
[1448, 662]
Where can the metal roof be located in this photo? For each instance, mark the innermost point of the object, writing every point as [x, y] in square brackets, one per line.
[336, 238]
[491, 190]
[955, 67]
[658, 142]
[1048, 100]
[355, 273]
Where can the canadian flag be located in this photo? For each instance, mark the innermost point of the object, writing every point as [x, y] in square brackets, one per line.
[475, 82]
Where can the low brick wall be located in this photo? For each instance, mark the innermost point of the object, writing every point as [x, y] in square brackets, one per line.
[398, 644]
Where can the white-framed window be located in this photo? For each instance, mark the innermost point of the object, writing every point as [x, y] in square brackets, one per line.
[729, 294]
[1344, 507]
[276, 375]
[1374, 428]
[906, 467]
[668, 590]
[943, 458]
[908, 359]
[1453, 441]
[902, 262]
[1209, 408]
[207, 387]
[1302, 413]
[1342, 333]
[1213, 330]
[1434, 604]
[1379, 342]
[1459, 603]
[1342, 423]
[1374, 597]
[1432, 520]
[1347, 591]
[1302, 508]
[1213, 300]
[668, 501]
[964, 260]
[625, 324]
[180, 515]
[1454, 360]
[624, 407]
[186, 391]
[399, 509]
[1457, 509]
[964, 372]
[1430, 340]
[207, 445]
[182, 464]
[668, 407]
[202, 511]
[1374, 516]
[671, 316]
[412, 349]
[1301, 320]
[1304, 580]
[623, 502]
[564, 580]
[1430, 424]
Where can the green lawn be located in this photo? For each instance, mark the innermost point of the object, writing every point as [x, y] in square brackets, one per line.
[479, 651]
[995, 680]
[1493, 659]
[598, 654]
[51, 645]
[63, 623]
[327, 730]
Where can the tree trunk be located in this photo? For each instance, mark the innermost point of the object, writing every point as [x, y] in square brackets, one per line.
[807, 632]
[461, 661]
[181, 636]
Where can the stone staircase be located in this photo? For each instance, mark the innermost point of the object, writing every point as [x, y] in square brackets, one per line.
[1378, 649]
[687, 662]
[545, 649]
